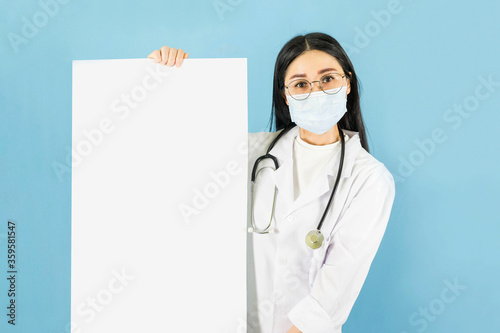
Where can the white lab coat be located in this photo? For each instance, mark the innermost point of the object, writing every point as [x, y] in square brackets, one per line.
[289, 283]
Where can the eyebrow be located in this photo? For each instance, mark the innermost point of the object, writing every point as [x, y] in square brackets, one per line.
[319, 72]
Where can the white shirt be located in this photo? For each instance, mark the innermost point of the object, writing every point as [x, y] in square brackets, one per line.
[290, 284]
[309, 160]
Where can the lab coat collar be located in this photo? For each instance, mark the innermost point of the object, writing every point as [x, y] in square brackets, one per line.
[283, 150]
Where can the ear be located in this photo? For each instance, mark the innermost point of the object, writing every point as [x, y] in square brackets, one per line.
[284, 97]
[348, 84]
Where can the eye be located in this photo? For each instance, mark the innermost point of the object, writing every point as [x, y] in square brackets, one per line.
[329, 78]
[300, 84]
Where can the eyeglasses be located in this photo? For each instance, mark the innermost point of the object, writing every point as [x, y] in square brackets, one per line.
[330, 83]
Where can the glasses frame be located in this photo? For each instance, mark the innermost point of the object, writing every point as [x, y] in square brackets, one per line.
[311, 85]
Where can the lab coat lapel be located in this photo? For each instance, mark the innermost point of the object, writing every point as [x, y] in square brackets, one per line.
[283, 177]
[323, 183]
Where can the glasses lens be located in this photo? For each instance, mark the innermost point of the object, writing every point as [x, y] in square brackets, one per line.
[332, 83]
[299, 89]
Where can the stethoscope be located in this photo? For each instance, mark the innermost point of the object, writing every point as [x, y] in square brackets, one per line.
[314, 239]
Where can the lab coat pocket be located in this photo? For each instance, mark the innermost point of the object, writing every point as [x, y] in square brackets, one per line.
[317, 260]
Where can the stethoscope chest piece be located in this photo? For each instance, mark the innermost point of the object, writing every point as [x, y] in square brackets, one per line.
[314, 239]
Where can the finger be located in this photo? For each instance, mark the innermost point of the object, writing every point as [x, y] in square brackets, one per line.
[164, 54]
[186, 55]
[155, 55]
[171, 57]
[179, 58]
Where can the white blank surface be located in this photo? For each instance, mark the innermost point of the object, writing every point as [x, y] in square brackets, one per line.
[147, 140]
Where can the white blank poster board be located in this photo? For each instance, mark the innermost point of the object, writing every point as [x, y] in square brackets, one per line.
[159, 167]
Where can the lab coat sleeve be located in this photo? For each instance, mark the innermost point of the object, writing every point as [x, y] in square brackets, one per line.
[348, 257]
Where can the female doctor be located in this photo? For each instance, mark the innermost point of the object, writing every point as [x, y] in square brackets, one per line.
[319, 203]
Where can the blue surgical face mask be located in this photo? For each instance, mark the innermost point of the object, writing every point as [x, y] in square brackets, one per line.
[320, 111]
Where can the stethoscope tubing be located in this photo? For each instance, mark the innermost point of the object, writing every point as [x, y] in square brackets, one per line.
[276, 164]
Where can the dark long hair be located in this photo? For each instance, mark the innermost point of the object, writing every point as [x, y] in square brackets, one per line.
[352, 119]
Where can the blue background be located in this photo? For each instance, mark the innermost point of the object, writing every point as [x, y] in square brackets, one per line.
[416, 64]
